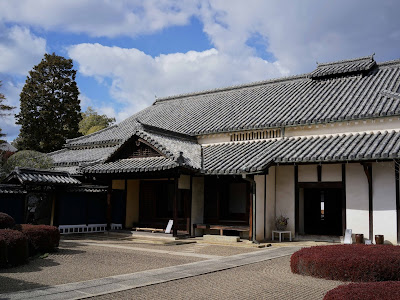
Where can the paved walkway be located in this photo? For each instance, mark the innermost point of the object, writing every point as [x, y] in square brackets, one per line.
[124, 282]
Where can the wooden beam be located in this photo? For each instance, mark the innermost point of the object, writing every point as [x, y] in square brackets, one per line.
[251, 215]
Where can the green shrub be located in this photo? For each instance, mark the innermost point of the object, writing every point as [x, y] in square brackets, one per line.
[13, 248]
[6, 221]
[42, 238]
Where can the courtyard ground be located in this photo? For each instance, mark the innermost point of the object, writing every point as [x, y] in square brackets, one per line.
[194, 270]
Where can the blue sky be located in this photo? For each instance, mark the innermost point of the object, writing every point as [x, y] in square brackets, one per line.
[126, 53]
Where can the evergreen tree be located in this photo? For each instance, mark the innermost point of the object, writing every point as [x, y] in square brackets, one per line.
[50, 108]
[92, 122]
[3, 112]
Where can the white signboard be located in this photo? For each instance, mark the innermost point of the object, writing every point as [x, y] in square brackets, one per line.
[347, 237]
[169, 226]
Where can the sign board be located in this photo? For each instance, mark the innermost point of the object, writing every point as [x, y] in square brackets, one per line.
[368, 242]
[347, 237]
[169, 226]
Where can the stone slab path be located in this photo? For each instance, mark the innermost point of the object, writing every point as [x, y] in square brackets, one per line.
[102, 286]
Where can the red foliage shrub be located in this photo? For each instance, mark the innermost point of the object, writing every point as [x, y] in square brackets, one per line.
[6, 221]
[42, 238]
[389, 290]
[13, 247]
[349, 262]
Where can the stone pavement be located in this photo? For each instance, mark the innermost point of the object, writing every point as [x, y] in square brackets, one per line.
[124, 282]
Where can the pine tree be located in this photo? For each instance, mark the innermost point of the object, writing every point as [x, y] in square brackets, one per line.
[50, 108]
[3, 112]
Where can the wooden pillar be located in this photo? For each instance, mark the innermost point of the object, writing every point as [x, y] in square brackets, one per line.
[175, 207]
[189, 215]
[296, 200]
[368, 173]
[53, 204]
[396, 169]
[251, 215]
[109, 221]
[344, 224]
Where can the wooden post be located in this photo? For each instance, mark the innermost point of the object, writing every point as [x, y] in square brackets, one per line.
[368, 173]
[109, 221]
[344, 224]
[251, 214]
[396, 173]
[296, 201]
[175, 208]
[53, 198]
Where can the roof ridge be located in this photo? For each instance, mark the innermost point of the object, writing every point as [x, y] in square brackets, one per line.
[232, 87]
[346, 60]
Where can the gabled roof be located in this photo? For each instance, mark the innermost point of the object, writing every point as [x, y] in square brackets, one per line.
[5, 146]
[361, 64]
[40, 177]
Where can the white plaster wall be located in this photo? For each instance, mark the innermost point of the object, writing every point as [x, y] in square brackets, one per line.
[308, 173]
[357, 199]
[386, 123]
[285, 194]
[197, 200]
[331, 172]
[212, 139]
[384, 201]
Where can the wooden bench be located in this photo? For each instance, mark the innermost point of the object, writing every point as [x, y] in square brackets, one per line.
[221, 228]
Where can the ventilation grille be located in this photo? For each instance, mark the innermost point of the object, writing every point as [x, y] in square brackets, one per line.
[256, 135]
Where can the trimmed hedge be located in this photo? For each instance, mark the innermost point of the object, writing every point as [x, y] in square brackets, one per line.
[13, 248]
[388, 290]
[349, 262]
[42, 238]
[6, 221]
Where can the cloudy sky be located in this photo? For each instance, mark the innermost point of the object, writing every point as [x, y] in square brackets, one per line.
[129, 52]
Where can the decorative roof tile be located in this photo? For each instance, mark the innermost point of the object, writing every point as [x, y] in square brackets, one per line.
[361, 64]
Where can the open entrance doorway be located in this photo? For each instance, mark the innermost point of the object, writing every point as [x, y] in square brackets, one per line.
[321, 211]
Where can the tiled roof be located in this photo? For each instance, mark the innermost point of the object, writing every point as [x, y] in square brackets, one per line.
[133, 165]
[88, 189]
[76, 156]
[295, 101]
[7, 147]
[40, 177]
[252, 156]
[271, 103]
[343, 66]
[12, 189]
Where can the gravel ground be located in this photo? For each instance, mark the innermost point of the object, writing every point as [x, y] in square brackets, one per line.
[266, 280]
[74, 262]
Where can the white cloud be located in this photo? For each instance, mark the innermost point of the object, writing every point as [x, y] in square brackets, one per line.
[20, 50]
[299, 33]
[99, 18]
[137, 78]
[11, 91]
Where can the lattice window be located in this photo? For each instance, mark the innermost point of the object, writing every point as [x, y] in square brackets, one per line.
[135, 148]
[256, 135]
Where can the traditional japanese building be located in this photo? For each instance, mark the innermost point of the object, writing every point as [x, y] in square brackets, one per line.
[319, 148]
